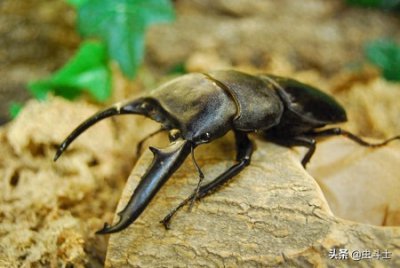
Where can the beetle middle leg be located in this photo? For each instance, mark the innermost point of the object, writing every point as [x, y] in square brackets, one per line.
[305, 141]
[244, 149]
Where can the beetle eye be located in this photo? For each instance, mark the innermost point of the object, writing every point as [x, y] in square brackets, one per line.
[174, 134]
[147, 108]
[205, 137]
[144, 106]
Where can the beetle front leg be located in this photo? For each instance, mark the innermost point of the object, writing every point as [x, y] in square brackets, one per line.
[201, 178]
[244, 149]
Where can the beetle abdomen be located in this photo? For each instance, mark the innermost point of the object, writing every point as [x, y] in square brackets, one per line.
[258, 107]
[308, 103]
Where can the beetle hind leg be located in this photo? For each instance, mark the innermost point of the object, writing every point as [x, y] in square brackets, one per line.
[341, 132]
[308, 140]
[243, 157]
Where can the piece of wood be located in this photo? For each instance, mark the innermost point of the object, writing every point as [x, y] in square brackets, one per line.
[271, 214]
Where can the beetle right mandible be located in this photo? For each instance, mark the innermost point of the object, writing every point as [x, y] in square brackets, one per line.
[201, 107]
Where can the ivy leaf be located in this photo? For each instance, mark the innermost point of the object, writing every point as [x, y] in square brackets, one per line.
[86, 71]
[386, 55]
[121, 24]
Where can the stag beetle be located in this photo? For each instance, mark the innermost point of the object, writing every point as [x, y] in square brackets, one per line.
[201, 107]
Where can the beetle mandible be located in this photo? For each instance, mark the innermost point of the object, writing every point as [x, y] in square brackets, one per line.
[201, 107]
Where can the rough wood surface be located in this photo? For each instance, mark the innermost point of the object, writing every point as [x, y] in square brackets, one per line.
[271, 214]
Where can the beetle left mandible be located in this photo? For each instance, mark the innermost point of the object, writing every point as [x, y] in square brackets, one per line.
[201, 107]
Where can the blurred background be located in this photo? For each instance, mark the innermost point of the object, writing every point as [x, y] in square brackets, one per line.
[329, 37]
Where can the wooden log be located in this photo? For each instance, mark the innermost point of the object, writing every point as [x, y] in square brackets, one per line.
[272, 214]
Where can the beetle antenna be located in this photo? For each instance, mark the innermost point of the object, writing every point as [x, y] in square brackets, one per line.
[134, 107]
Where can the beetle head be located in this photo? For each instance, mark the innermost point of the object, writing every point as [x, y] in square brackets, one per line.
[164, 163]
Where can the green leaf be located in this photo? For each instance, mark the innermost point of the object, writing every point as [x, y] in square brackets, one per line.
[121, 24]
[40, 89]
[86, 71]
[386, 55]
[178, 69]
[14, 109]
[365, 3]
[76, 3]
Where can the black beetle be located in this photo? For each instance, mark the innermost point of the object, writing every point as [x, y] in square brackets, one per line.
[201, 107]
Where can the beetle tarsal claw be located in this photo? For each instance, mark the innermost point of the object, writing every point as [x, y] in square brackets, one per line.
[165, 162]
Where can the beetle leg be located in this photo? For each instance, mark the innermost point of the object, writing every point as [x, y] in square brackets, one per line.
[244, 149]
[201, 177]
[308, 142]
[338, 131]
